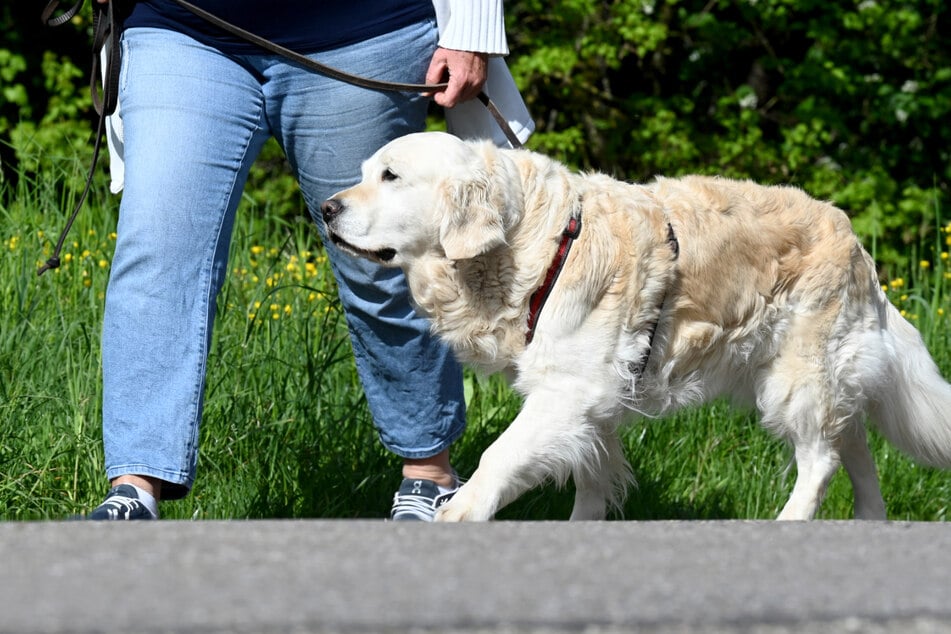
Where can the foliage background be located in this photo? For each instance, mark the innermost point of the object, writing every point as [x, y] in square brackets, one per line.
[849, 100]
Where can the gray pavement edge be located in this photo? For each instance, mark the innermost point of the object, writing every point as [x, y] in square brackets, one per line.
[355, 577]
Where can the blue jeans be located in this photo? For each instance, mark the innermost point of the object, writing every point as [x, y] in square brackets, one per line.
[194, 121]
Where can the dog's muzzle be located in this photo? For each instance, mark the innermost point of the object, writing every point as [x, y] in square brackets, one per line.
[330, 209]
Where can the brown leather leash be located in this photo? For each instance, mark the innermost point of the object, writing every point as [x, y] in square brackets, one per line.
[105, 23]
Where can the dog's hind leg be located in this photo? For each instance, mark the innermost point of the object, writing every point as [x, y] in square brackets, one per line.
[858, 463]
[816, 463]
[798, 403]
[602, 485]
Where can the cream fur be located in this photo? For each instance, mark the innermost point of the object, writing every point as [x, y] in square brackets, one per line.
[772, 302]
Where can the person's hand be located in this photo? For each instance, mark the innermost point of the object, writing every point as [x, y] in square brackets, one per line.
[465, 72]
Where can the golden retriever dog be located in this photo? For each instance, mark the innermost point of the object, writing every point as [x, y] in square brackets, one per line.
[604, 300]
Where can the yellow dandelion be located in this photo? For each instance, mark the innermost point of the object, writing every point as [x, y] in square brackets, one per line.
[255, 279]
[68, 258]
[903, 312]
[87, 282]
[275, 315]
[91, 232]
[257, 305]
[311, 269]
[275, 307]
[291, 266]
[251, 316]
[273, 251]
[113, 236]
[925, 264]
[86, 254]
[40, 234]
[287, 309]
[904, 298]
[312, 296]
[103, 263]
[898, 282]
[940, 312]
[944, 256]
[257, 249]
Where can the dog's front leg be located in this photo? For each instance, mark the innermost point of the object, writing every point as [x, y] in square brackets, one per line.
[547, 440]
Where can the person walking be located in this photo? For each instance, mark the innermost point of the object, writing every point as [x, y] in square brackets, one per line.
[196, 106]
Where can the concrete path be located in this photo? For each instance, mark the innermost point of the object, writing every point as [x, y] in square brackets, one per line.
[356, 577]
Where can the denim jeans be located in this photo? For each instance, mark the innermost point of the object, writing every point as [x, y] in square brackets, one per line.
[194, 120]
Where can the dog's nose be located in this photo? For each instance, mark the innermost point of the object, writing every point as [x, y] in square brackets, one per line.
[330, 208]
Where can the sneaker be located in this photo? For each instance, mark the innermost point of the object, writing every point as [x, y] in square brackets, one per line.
[417, 500]
[122, 503]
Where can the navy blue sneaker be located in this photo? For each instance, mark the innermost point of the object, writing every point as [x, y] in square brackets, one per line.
[417, 500]
[122, 503]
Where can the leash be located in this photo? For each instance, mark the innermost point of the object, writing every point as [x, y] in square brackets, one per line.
[105, 24]
[104, 101]
[336, 73]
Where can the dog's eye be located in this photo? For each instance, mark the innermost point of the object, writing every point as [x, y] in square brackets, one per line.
[388, 175]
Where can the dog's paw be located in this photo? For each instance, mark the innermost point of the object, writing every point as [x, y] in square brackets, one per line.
[465, 506]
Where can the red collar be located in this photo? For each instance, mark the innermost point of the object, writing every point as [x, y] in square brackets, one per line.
[540, 296]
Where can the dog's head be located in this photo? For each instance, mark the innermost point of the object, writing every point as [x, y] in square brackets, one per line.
[423, 194]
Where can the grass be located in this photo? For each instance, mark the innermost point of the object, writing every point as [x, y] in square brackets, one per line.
[286, 431]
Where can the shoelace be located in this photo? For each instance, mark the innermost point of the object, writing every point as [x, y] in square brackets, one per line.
[419, 504]
[121, 507]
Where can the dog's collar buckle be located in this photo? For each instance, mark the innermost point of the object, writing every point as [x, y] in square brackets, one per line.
[540, 296]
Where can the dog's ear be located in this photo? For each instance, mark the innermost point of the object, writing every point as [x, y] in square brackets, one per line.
[471, 223]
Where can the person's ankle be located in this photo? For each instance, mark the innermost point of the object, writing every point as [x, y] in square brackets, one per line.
[436, 468]
[152, 486]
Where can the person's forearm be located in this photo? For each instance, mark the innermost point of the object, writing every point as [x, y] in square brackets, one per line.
[475, 25]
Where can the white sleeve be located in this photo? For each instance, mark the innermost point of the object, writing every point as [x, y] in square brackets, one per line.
[472, 25]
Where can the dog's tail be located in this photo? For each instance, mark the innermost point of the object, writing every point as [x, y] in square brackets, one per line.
[912, 406]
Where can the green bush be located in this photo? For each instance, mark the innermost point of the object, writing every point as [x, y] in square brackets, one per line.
[849, 100]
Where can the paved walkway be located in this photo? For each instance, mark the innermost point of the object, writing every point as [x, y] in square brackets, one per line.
[356, 577]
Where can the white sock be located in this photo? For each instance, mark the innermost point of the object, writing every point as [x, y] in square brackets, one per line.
[148, 500]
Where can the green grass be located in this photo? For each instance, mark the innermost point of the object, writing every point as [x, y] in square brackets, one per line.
[286, 431]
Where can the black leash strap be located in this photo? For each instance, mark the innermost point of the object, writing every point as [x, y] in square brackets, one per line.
[104, 101]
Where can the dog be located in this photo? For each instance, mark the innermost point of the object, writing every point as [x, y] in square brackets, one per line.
[603, 301]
